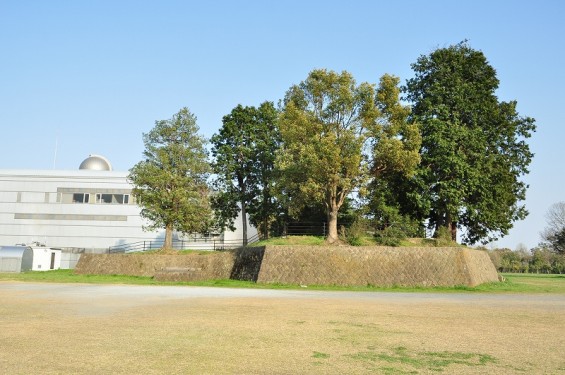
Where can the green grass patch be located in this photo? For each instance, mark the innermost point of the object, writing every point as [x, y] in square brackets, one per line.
[514, 283]
[413, 361]
[68, 276]
[526, 283]
[320, 355]
[365, 240]
[293, 241]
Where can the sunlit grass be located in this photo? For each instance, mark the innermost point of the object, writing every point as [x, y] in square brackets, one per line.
[367, 240]
[514, 283]
[293, 240]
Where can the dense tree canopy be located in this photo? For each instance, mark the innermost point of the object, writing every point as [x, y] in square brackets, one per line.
[244, 151]
[396, 145]
[170, 183]
[473, 145]
[324, 126]
[337, 134]
[453, 159]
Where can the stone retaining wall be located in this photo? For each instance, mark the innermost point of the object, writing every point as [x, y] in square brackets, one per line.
[308, 265]
[378, 266]
[188, 267]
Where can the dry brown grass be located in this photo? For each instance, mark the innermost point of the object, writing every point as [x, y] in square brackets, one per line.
[127, 334]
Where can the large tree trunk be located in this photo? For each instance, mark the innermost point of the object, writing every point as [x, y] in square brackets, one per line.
[244, 222]
[168, 245]
[452, 227]
[333, 236]
[334, 200]
[265, 230]
[242, 193]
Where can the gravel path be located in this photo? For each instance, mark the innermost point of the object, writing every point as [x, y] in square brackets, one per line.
[94, 292]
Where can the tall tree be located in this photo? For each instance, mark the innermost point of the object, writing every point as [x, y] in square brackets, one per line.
[554, 232]
[324, 127]
[265, 208]
[170, 184]
[473, 150]
[396, 144]
[244, 152]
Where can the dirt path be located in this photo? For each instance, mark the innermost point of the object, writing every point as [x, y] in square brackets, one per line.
[65, 328]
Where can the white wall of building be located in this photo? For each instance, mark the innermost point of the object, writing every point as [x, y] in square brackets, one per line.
[25, 217]
[36, 206]
[236, 236]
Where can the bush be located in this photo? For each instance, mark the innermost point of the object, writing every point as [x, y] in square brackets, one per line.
[390, 236]
[443, 237]
[392, 228]
[355, 234]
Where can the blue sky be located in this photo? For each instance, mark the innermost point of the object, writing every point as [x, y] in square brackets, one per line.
[82, 77]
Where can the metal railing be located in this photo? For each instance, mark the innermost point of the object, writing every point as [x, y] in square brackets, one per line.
[306, 229]
[212, 244]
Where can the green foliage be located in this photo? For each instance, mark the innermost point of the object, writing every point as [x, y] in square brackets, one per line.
[395, 148]
[443, 237]
[170, 184]
[390, 226]
[356, 234]
[538, 260]
[324, 126]
[390, 236]
[395, 140]
[328, 125]
[244, 152]
[473, 146]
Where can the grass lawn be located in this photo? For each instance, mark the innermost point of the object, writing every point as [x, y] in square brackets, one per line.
[364, 241]
[514, 283]
[120, 329]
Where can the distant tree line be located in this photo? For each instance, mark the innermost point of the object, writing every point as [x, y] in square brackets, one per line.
[538, 260]
[440, 153]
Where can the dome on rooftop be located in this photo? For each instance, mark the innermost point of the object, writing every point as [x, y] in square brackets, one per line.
[96, 163]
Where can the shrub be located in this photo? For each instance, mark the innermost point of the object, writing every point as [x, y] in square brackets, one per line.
[443, 237]
[356, 233]
[390, 236]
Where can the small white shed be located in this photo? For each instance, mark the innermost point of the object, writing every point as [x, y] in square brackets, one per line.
[16, 258]
[46, 258]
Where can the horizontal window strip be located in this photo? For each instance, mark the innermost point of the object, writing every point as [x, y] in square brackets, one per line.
[72, 217]
[93, 190]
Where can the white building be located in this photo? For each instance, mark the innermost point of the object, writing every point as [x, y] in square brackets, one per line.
[89, 208]
[45, 259]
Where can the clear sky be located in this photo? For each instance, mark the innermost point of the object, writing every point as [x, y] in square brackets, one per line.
[83, 77]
